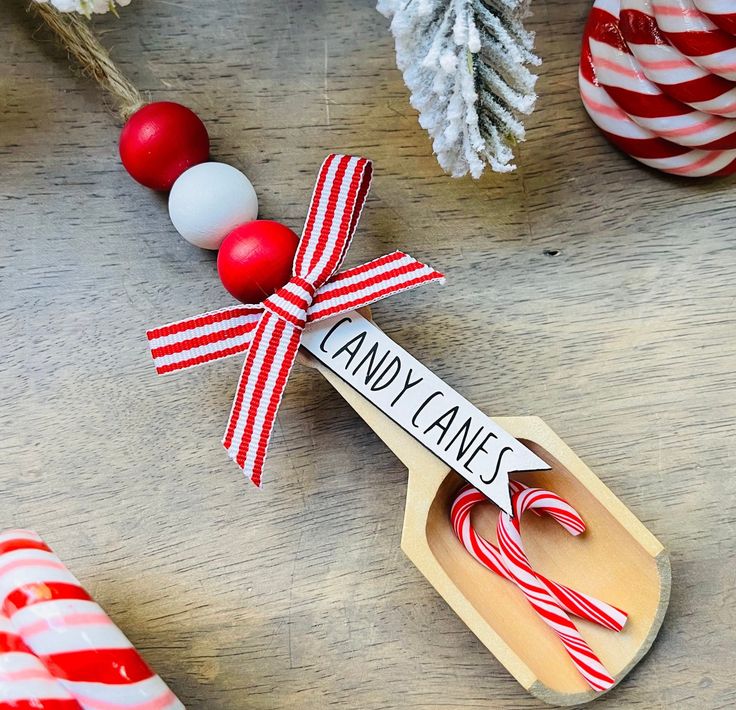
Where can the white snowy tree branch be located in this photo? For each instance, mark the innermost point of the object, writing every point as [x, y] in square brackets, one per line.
[466, 63]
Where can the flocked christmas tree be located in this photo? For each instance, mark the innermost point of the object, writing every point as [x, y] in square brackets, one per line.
[466, 63]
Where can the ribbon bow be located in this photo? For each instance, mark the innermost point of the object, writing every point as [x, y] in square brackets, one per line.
[270, 332]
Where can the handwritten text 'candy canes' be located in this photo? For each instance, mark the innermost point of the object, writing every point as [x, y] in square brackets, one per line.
[423, 405]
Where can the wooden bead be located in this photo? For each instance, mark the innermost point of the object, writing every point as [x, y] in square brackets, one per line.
[160, 141]
[208, 201]
[256, 259]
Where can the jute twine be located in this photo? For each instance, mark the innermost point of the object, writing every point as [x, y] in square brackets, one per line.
[75, 35]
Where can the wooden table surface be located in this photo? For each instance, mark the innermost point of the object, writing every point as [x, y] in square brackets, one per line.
[583, 288]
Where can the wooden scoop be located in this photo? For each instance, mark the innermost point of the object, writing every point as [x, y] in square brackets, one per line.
[617, 559]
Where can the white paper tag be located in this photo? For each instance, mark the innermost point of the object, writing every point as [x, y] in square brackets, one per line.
[423, 405]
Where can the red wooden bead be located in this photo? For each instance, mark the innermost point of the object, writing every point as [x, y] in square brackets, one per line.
[256, 259]
[160, 141]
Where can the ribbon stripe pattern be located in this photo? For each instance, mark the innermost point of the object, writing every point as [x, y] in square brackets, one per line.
[269, 333]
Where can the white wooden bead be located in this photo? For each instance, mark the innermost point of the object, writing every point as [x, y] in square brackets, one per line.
[208, 201]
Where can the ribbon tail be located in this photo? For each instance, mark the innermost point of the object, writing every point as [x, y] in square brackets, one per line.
[196, 341]
[371, 282]
[260, 388]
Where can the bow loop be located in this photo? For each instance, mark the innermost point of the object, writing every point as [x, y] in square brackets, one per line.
[337, 202]
[270, 333]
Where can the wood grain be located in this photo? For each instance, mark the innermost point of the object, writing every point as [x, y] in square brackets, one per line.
[298, 595]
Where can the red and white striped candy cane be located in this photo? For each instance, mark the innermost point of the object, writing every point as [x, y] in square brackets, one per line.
[572, 601]
[641, 143]
[696, 36]
[72, 636]
[619, 73]
[536, 590]
[721, 12]
[25, 683]
[677, 75]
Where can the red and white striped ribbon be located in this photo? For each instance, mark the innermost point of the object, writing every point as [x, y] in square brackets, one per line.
[25, 683]
[270, 333]
[485, 552]
[535, 588]
[70, 634]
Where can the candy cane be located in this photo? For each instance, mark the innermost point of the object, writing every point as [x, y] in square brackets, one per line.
[536, 590]
[71, 635]
[25, 683]
[619, 73]
[721, 12]
[640, 143]
[572, 601]
[666, 66]
[696, 36]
